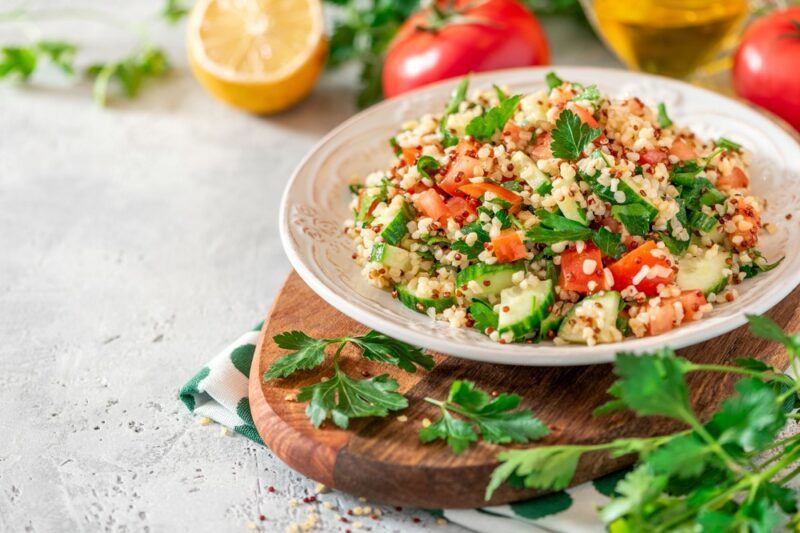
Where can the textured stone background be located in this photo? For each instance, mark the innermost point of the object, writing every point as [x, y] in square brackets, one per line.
[135, 242]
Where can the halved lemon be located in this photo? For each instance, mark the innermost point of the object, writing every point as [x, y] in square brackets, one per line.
[258, 55]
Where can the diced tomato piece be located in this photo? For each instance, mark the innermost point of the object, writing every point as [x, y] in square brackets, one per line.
[418, 187]
[410, 155]
[541, 147]
[511, 132]
[361, 201]
[682, 150]
[431, 204]
[630, 265]
[635, 106]
[460, 208]
[652, 157]
[462, 169]
[574, 266]
[662, 318]
[664, 315]
[737, 179]
[476, 190]
[692, 301]
[586, 117]
[508, 246]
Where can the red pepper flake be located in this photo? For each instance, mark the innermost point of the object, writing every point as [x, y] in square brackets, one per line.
[374, 516]
[270, 489]
[365, 373]
[350, 512]
[262, 517]
[345, 520]
[416, 520]
[398, 509]
[486, 283]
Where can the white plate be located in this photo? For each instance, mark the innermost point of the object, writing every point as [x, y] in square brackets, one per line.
[314, 207]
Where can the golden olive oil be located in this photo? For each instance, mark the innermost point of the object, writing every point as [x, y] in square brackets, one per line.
[669, 37]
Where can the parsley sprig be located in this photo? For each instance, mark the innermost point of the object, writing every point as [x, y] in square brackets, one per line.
[726, 474]
[342, 397]
[483, 127]
[554, 228]
[497, 419]
[571, 135]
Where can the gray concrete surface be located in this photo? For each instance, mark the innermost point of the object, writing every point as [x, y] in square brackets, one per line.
[135, 242]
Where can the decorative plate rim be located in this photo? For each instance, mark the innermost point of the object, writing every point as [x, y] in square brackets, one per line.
[524, 354]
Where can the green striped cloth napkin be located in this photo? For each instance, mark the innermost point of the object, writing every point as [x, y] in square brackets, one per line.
[219, 392]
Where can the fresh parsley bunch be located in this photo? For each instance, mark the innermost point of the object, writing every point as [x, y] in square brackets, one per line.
[729, 473]
[146, 62]
[342, 397]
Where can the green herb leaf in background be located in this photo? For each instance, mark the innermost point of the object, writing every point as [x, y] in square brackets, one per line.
[571, 135]
[22, 61]
[130, 73]
[174, 10]
[17, 61]
[497, 419]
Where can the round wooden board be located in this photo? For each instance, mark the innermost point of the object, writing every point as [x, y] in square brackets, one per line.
[383, 460]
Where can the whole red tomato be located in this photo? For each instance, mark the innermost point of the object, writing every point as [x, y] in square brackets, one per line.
[766, 68]
[460, 37]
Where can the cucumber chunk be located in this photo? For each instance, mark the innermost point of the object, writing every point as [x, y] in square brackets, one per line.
[632, 196]
[394, 223]
[569, 205]
[491, 279]
[522, 310]
[527, 170]
[391, 256]
[704, 273]
[598, 312]
[549, 326]
[412, 301]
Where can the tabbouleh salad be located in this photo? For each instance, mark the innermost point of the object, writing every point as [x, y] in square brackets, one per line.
[561, 215]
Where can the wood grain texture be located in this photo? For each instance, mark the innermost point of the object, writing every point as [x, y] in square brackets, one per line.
[383, 460]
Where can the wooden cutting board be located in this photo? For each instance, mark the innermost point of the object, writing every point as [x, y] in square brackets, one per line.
[383, 460]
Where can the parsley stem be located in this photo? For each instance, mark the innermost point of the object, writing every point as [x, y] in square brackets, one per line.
[336, 356]
[776, 444]
[713, 444]
[788, 477]
[737, 370]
